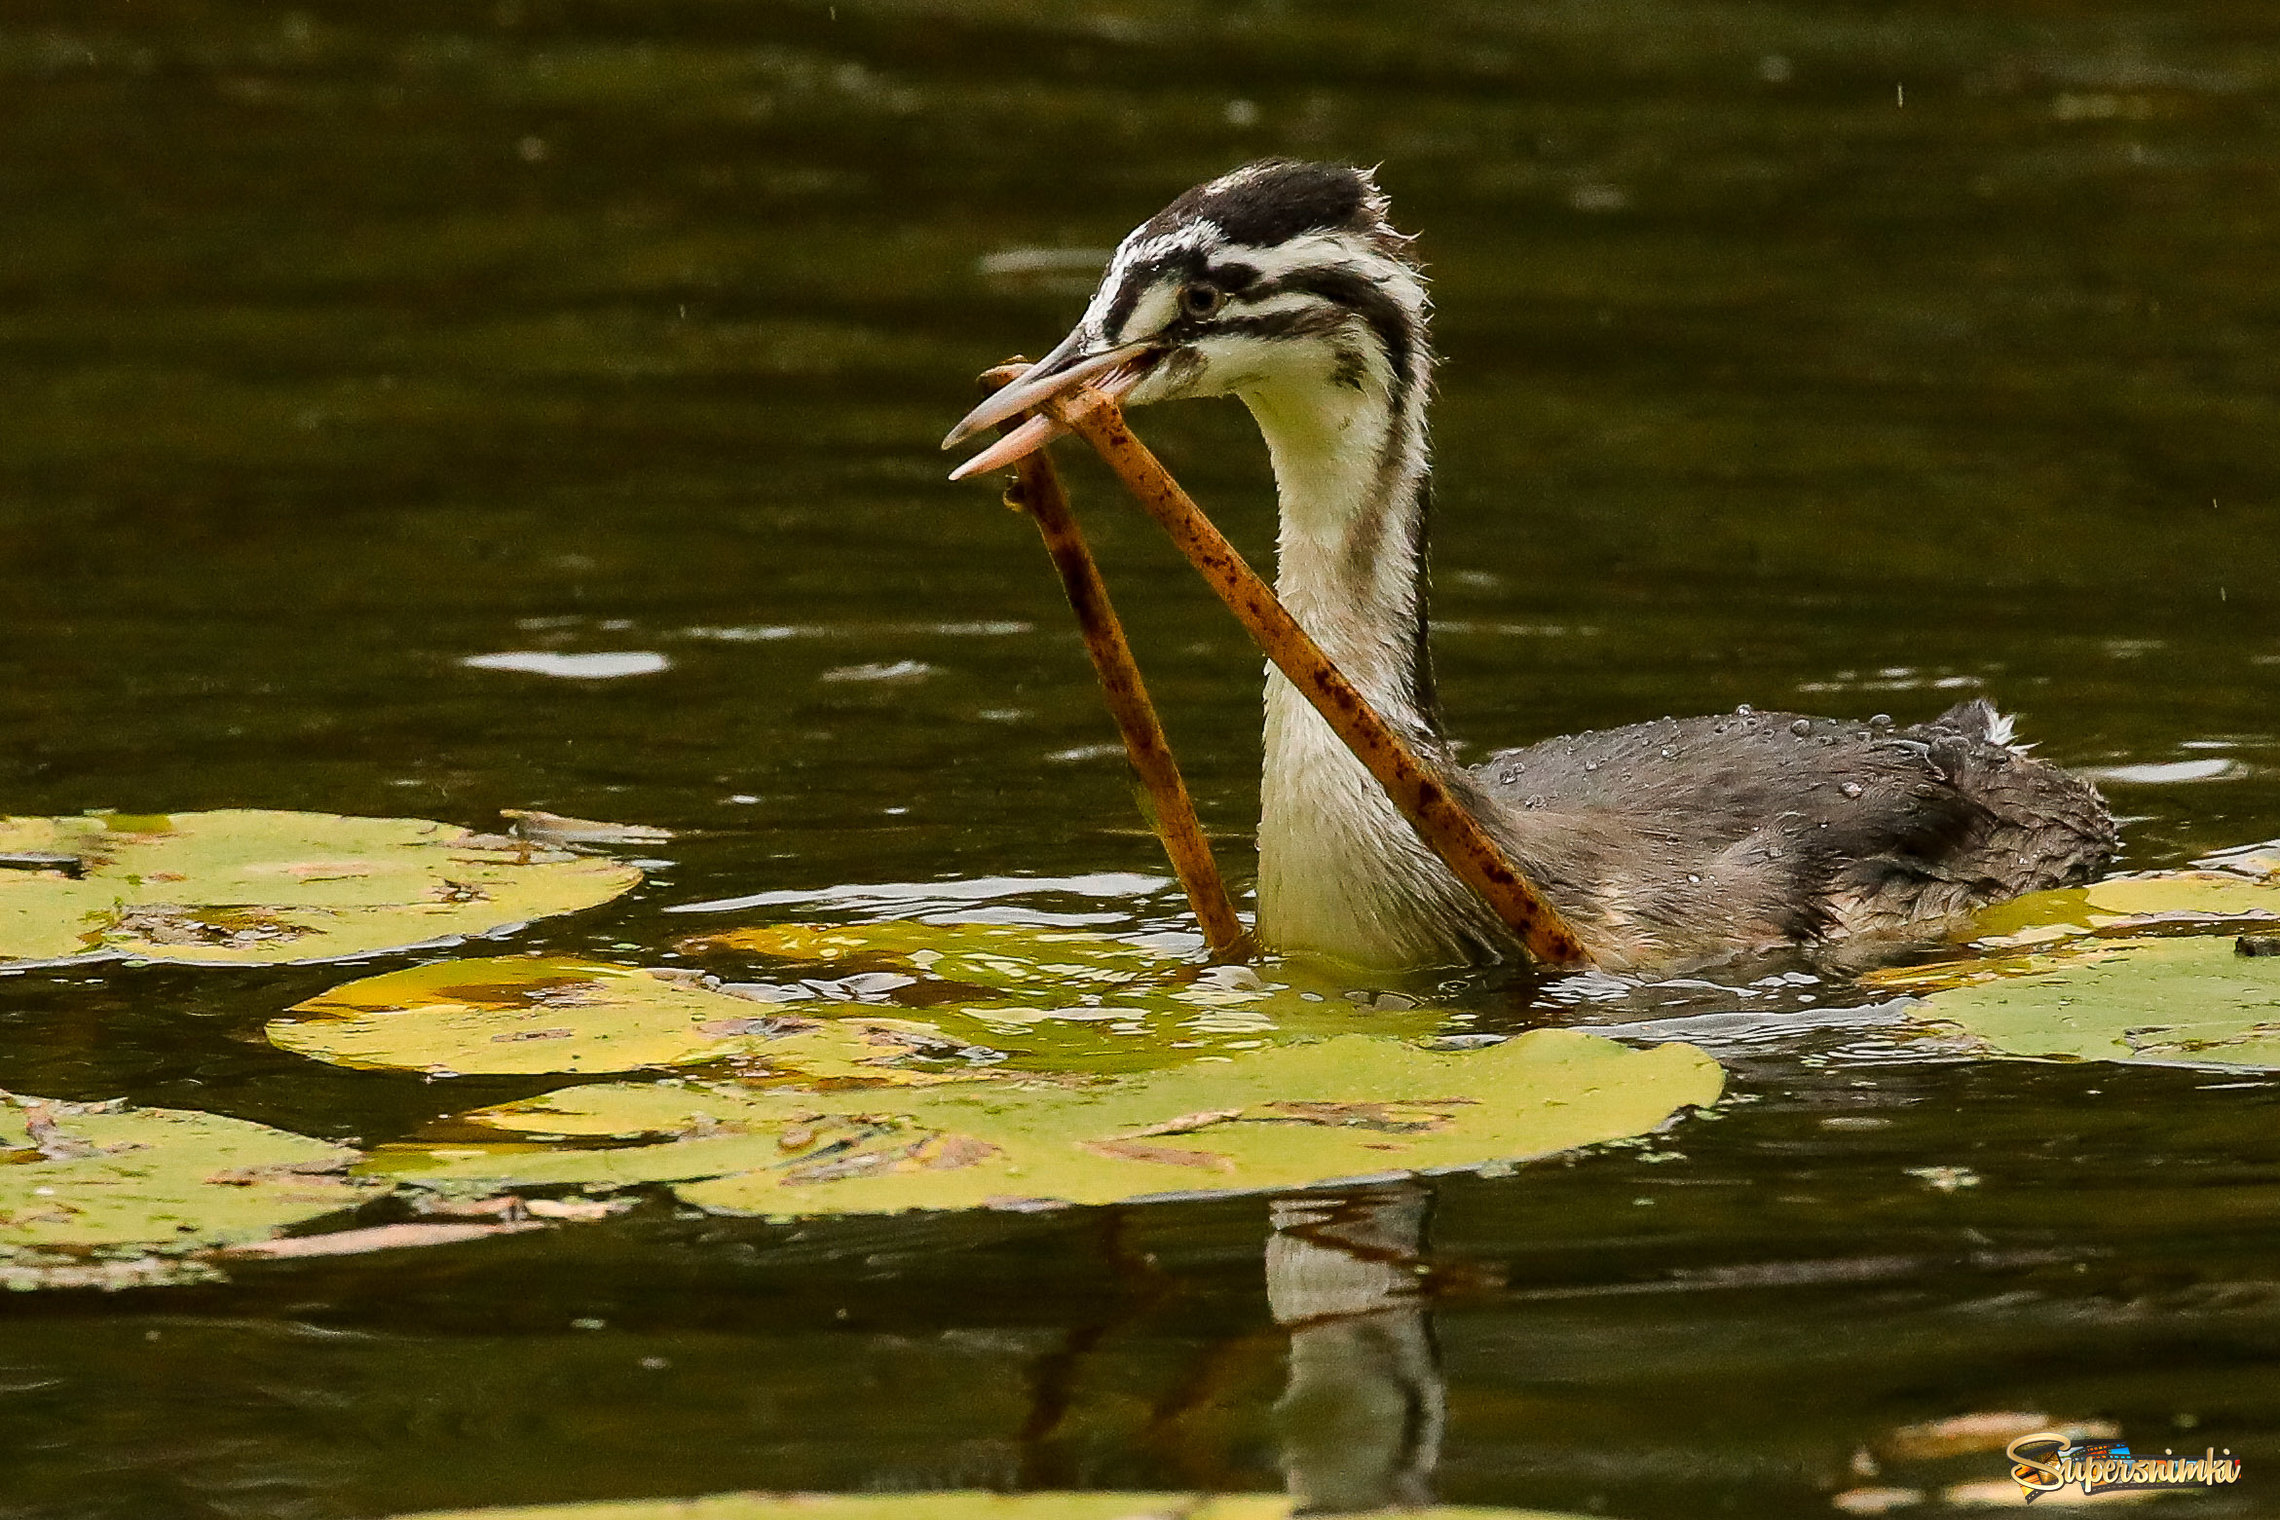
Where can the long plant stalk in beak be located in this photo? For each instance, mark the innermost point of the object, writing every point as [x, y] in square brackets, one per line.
[1038, 492]
[1442, 821]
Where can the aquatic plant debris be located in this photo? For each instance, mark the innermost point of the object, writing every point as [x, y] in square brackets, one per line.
[87, 1187]
[254, 887]
[1357, 1106]
[533, 1015]
[1058, 999]
[953, 1506]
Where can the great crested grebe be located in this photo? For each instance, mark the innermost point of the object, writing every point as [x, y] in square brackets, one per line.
[1282, 283]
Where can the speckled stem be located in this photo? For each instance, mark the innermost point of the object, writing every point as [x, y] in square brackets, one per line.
[1038, 492]
[1415, 787]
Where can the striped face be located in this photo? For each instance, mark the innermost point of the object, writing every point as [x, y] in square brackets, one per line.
[1277, 275]
[1275, 272]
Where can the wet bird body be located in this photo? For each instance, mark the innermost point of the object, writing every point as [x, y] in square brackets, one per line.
[1284, 285]
[1687, 837]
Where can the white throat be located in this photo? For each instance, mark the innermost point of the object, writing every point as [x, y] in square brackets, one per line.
[1341, 873]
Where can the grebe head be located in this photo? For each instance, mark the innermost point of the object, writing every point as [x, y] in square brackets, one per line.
[1283, 284]
[1276, 279]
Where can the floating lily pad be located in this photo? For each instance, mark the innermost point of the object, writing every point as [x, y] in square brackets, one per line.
[112, 1180]
[1063, 1000]
[2134, 968]
[1287, 1116]
[2125, 905]
[2030, 935]
[243, 887]
[2189, 1001]
[526, 1015]
[894, 1002]
[951, 1506]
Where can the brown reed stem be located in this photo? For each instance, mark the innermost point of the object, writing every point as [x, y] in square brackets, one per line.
[1038, 492]
[1415, 787]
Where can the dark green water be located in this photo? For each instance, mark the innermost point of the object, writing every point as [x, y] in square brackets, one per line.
[1848, 357]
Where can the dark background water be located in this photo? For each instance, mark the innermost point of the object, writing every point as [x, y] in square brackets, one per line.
[1850, 357]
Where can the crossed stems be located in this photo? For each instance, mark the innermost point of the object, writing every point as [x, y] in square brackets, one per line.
[1414, 785]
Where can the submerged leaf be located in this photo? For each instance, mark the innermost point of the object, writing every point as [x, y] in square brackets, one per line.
[75, 1177]
[1058, 999]
[2191, 1001]
[1287, 1116]
[528, 1015]
[244, 887]
[952, 1506]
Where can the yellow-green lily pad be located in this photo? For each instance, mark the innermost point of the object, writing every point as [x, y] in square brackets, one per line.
[1056, 999]
[1280, 1117]
[2123, 905]
[243, 887]
[105, 1178]
[2031, 935]
[952, 1506]
[2188, 1001]
[529, 1015]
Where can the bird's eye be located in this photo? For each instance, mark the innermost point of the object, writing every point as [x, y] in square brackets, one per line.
[1201, 300]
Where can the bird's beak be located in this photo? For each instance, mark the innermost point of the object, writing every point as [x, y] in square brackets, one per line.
[1068, 366]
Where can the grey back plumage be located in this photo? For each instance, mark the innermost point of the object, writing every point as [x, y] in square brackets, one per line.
[1696, 836]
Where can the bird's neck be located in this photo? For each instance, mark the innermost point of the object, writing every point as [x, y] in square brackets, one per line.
[1341, 872]
[1353, 478]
